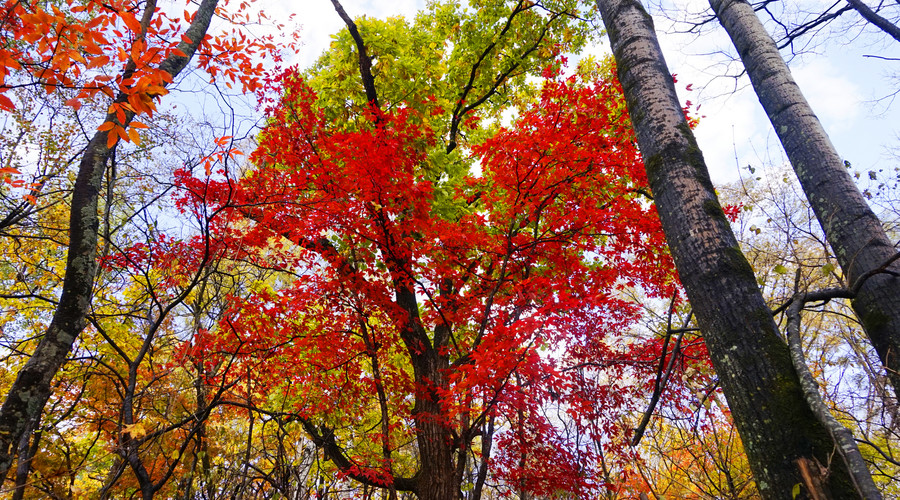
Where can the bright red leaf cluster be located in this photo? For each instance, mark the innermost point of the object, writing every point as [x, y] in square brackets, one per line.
[111, 48]
[431, 300]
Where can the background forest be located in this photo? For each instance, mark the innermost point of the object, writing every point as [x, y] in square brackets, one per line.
[457, 257]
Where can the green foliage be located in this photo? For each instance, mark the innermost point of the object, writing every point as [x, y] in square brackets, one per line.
[460, 68]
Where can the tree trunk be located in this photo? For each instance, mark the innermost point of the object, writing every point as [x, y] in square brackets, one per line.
[851, 228]
[752, 361]
[29, 393]
[436, 478]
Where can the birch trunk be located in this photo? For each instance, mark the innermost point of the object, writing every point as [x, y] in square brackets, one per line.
[778, 429]
[851, 228]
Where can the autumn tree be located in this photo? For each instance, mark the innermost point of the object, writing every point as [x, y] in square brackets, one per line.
[695, 452]
[121, 57]
[434, 259]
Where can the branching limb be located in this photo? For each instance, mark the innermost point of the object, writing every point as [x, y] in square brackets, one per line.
[662, 379]
[847, 448]
[872, 17]
[324, 438]
[884, 268]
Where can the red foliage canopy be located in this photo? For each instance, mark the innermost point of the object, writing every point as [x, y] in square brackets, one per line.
[421, 302]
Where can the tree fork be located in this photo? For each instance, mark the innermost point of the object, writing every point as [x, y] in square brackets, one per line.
[752, 361]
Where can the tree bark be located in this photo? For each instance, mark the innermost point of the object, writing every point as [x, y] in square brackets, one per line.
[436, 478]
[851, 228]
[752, 361]
[29, 393]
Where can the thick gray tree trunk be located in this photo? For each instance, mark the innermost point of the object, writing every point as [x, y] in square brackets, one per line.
[780, 433]
[851, 228]
[29, 393]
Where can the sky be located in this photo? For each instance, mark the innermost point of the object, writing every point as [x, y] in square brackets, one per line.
[842, 85]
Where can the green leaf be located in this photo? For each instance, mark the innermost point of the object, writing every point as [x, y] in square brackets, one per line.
[827, 269]
[795, 491]
[779, 269]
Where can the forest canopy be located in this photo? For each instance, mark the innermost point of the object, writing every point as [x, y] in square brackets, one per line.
[443, 262]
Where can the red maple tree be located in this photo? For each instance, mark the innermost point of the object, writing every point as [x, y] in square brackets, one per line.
[425, 315]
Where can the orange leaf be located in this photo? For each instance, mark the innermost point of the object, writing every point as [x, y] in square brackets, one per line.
[134, 136]
[105, 126]
[74, 103]
[131, 21]
[9, 170]
[136, 50]
[155, 90]
[111, 140]
[185, 39]
[76, 56]
[93, 22]
[138, 125]
[98, 61]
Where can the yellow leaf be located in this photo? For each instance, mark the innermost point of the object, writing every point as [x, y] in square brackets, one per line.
[136, 430]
